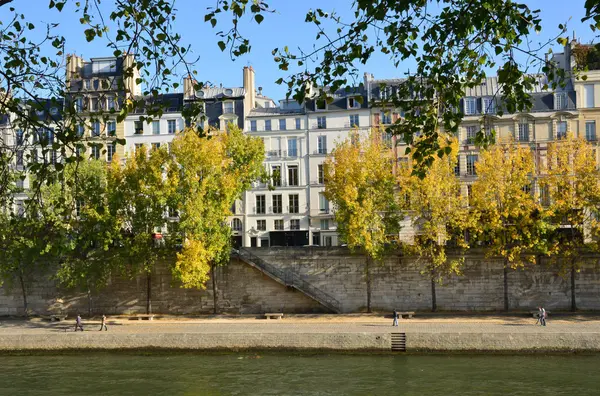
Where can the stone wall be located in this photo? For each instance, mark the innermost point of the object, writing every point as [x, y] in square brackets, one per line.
[396, 284]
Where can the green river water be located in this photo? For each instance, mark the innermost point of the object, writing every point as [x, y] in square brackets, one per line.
[289, 374]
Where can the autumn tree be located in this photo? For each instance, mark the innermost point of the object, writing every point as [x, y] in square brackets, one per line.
[209, 173]
[139, 192]
[439, 215]
[572, 180]
[511, 223]
[360, 184]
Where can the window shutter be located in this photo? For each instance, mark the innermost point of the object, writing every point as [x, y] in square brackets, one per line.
[377, 119]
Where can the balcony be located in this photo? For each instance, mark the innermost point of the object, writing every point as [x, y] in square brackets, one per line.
[321, 151]
[282, 153]
[325, 213]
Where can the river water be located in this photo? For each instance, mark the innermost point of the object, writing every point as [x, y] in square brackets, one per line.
[289, 374]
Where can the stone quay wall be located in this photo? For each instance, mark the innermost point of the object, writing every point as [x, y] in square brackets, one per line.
[397, 283]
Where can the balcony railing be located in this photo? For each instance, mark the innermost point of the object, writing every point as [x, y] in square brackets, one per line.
[322, 151]
[282, 153]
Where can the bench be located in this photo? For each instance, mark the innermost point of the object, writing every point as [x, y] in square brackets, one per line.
[54, 317]
[408, 315]
[273, 315]
[144, 317]
[536, 313]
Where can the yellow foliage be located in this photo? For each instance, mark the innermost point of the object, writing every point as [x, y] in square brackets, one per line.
[192, 266]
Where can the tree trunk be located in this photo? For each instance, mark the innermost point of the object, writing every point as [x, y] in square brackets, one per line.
[89, 295]
[368, 279]
[573, 301]
[505, 273]
[149, 293]
[24, 291]
[214, 286]
[433, 294]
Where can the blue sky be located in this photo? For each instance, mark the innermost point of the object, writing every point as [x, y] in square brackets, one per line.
[285, 27]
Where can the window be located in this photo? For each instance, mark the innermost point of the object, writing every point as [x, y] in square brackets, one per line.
[253, 125]
[354, 120]
[111, 126]
[110, 103]
[353, 103]
[386, 117]
[457, 167]
[278, 225]
[385, 92]
[561, 129]
[590, 131]
[489, 106]
[328, 241]
[471, 160]
[156, 127]
[322, 122]
[19, 208]
[94, 104]
[79, 105]
[267, 125]
[139, 127]
[139, 146]
[261, 225]
[588, 94]
[228, 107]
[322, 144]
[155, 146]
[523, 132]
[236, 225]
[545, 195]
[20, 184]
[560, 101]
[276, 175]
[298, 123]
[282, 125]
[19, 137]
[294, 224]
[323, 203]
[293, 175]
[294, 206]
[260, 204]
[86, 84]
[111, 149]
[96, 152]
[386, 139]
[96, 128]
[53, 157]
[470, 193]
[321, 104]
[80, 130]
[277, 203]
[292, 147]
[471, 133]
[320, 174]
[470, 106]
[526, 188]
[172, 126]
[96, 84]
[325, 224]
[20, 157]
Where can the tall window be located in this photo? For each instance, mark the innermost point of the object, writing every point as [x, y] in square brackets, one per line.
[20, 138]
[471, 160]
[322, 122]
[292, 147]
[79, 105]
[278, 223]
[588, 94]
[277, 203]
[20, 157]
[282, 125]
[276, 175]
[94, 104]
[322, 144]
[96, 128]
[110, 103]
[228, 107]
[545, 195]
[138, 126]
[471, 133]
[236, 225]
[260, 204]
[323, 203]
[172, 126]
[294, 224]
[560, 101]
[111, 127]
[156, 127]
[96, 152]
[457, 167]
[155, 146]
[298, 123]
[561, 129]
[386, 117]
[354, 120]
[253, 125]
[353, 103]
[294, 206]
[523, 132]
[489, 106]
[261, 225]
[267, 125]
[110, 151]
[293, 175]
[80, 130]
[590, 130]
[320, 174]
[324, 224]
[470, 106]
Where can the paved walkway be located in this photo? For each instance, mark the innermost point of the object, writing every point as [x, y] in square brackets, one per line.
[315, 324]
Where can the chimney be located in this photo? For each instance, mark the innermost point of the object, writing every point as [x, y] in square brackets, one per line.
[250, 89]
[188, 87]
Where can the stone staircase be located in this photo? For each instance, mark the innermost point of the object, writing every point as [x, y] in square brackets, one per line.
[288, 278]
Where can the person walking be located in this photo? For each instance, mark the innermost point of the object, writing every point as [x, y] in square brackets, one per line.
[103, 325]
[395, 319]
[539, 316]
[543, 317]
[78, 323]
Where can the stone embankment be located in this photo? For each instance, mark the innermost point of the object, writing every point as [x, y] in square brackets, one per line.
[370, 334]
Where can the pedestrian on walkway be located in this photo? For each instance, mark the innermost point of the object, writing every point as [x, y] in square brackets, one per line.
[539, 316]
[78, 323]
[103, 325]
[395, 318]
[544, 315]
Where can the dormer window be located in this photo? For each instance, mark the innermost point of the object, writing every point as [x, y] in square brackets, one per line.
[228, 108]
[489, 106]
[321, 104]
[353, 103]
[229, 92]
[199, 94]
[53, 111]
[385, 93]
[39, 113]
[470, 106]
[560, 101]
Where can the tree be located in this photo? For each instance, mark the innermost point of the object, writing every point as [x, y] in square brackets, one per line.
[439, 214]
[139, 192]
[360, 184]
[511, 223]
[209, 174]
[572, 180]
[94, 231]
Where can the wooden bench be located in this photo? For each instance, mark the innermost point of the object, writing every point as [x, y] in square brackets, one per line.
[408, 315]
[536, 313]
[144, 317]
[273, 315]
[54, 317]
